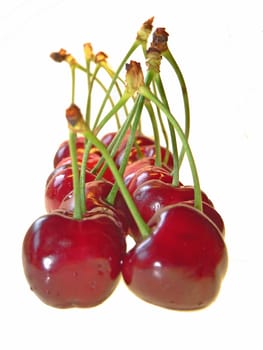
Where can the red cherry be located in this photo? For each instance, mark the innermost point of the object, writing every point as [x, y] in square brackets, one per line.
[63, 150]
[144, 151]
[181, 264]
[153, 195]
[149, 172]
[132, 168]
[140, 141]
[93, 159]
[59, 184]
[107, 138]
[73, 263]
[96, 196]
[150, 151]
[213, 214]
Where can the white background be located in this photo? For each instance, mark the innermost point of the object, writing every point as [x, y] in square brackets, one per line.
[218, 45]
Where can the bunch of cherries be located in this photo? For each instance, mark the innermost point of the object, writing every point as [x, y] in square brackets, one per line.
[108, 186]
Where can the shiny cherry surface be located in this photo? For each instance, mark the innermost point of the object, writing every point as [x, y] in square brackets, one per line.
[73, 263]
[181, 264]
[59, 185]
[96, 196]
[153, 195]
[63, 150]
[146, 173]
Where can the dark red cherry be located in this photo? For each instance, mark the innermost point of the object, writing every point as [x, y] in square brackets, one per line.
[63, 150]
[149, 172]
[153, 195]
[181, 264]
[96, 196]
[150, 151]
[213, 214]
[73, 263]
[59, 184]
[133, 167]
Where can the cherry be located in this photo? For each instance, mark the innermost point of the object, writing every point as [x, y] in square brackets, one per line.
[212, 214]
[153, 195]
[63, 150]
[182, 262]
[73, 263]
[96, 196]
[59, 184]
[137, 165]
[144, 151]
[149, 172]
[150, 151]
[93, 159]
[107, 138]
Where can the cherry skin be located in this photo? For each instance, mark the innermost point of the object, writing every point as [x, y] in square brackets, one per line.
[181, 264]
[73, 263]
[144, 151]
[63, 150]
[137, 165]
[93, 159]
[212, 214]
[59, 184]
[96, 196]
[149, 172]
[153, 195]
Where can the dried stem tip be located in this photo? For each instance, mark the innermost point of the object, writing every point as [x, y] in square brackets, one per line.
[101, 57]
[75, 119]
[59, 56]
[62, 56]
[145, 30]
[160, 39]
[134, 77]
[88, 51]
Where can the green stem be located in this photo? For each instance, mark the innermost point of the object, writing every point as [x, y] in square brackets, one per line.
[167, 54]
[90, 84]
[116, 76]
[144, 91]
[138, 109]
[144, 229]
[77, 214]
[162, 93]
[73, 83]
[164, 133]
[115, 143]
[158, 156]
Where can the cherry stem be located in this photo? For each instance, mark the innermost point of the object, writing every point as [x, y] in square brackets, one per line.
[161, 90]
[91, 83]
[115, 143]
[115, 77]
[77, 214]
[158, 156]
[144, 91]
[73, 82]
[143, 227]
[164, 133]
[167, 54]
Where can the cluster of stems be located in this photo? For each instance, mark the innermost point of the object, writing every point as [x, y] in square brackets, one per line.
[136, 94]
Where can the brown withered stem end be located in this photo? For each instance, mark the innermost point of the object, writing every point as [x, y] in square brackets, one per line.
[59, 56]
[101, 57]
[160, 39]
[75, 119]
[134, 77]
[145, 30]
